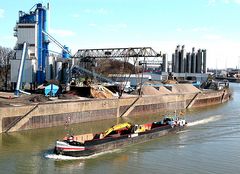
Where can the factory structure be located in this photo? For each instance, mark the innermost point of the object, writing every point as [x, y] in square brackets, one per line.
[34, 64]
[189, 62]
[28, 30]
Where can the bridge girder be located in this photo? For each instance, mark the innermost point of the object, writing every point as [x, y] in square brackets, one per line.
[134, 52]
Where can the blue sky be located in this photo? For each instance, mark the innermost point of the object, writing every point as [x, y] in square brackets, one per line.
[161, 24]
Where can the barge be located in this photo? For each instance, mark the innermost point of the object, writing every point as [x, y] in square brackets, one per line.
[118, 136]
[55, 113]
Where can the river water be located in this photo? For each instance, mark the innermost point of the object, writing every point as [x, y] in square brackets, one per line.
[210, 144]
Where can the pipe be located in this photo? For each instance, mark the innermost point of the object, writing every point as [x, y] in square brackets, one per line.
[19, 81]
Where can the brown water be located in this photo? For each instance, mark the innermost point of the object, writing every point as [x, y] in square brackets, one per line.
[210, 144]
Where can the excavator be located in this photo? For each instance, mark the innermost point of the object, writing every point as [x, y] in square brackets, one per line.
[118, 127]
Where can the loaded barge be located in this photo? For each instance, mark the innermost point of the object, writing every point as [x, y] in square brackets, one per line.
[55, 113]
[116, 137]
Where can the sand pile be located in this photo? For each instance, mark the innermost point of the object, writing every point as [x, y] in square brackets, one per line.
[100, 91]
[163, 90]
[184, 88]
[149, 90]
[170, 82]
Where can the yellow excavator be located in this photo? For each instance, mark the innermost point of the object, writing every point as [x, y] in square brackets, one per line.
[116, 128]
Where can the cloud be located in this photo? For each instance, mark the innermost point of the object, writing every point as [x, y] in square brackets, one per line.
[201, 29]
[100, 11]
[212, 36]
[237, 1]
[231, 1]
[117, 27]
[179, 29]
[2, 13]
[62, 32]
[8, 41]
[92, 25]
[214, 2]
[76, 15]
[211, 2]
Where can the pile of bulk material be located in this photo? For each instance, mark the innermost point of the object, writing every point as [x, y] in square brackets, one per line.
[163, 90]
[183, 88]
[101, 92]
[149, 90]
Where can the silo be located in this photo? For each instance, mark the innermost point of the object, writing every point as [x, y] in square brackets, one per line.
[193, 61]
[188, 63]
[59, 71]
[177, 53]
[173, 62]
[199, 61]
[182, 60]
[42, 42]
[49, 68]
[204, 61]
[165, 63]
[65, 72]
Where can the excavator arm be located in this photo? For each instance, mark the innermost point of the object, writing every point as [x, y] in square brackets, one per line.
[116, 128]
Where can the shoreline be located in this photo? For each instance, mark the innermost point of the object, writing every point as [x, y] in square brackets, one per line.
[56, 113]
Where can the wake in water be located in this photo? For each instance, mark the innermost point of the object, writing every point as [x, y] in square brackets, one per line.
[63, 157]
[206, 120]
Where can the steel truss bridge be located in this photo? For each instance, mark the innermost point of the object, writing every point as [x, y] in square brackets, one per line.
[90, 55]
[134, 52]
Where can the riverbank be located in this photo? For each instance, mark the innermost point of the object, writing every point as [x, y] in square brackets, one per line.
[56, 113]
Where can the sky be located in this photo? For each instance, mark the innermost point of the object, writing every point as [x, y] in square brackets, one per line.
[161, 24]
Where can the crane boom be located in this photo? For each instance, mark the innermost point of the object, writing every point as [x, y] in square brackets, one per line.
[116, 128]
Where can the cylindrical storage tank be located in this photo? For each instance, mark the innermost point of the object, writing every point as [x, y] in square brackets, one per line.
[65, 71]
[177, 53]
[165, 63]
[45, 52]
[59, 71]
[188, 63]
[173, 63]
[182, 61]
[199, 61]
[185, 64]
[193, 61]
[49, 68]
[204, 61]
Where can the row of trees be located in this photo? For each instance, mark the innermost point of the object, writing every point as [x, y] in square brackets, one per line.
[6, 54]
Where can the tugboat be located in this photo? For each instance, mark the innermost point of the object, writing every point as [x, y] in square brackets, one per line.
[118, 136]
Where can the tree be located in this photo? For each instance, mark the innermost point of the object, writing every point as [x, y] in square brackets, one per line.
[5, 55]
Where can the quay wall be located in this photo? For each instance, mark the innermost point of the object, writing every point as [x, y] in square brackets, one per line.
[57, 113]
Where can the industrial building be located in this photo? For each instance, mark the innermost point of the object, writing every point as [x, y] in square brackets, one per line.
[186, 62]
[28, 30]
[33, 63]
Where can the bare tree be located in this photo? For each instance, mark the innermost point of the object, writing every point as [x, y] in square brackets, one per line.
[5, 55]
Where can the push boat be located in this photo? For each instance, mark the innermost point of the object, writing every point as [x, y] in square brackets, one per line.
[118, 136]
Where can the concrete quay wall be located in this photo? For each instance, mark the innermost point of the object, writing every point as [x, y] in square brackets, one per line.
[57, 113]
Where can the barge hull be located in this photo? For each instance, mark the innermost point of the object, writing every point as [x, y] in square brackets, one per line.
[123, 141]
[18, 118]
